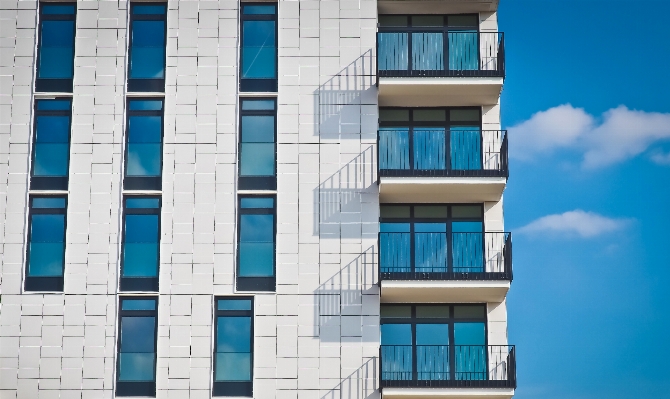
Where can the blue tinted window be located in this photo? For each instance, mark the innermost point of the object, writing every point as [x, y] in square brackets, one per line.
[138, 304]
[253, 105]
[251, 202]
[142, 203]
[147, 50]
[467, 227]
[137, 344]
[259, 51]
[396, 334]
[144, 146]
[146, 105]
[56, 53]
[58, 9]
[257, 150]
[432, 334]
[148, 9]
[51, 148]
[254, 10]
[48, 202]
[53, 105]
[256, 245]
[394, 227]
[47, 245]
[233, 304]
[430, 227]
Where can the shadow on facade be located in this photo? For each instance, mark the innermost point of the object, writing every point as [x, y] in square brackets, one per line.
[361, 384]
[338, 301]
[340, 198]
[338, 101]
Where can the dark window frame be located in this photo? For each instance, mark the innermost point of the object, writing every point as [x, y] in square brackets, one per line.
[264, 84]
[48, 84]
[46, 284]
[412, 220]
[256, 284]
[233, 388]
[50, 182]
[411, 124]
[136, 388]
[257, 182]
[141, 84]
[143, 182]
[413, 320]
[139, 284]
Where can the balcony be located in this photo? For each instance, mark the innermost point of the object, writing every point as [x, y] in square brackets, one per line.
[444, 267]
[428, 164]
[436, 6]
[449, 371]
[419, 66]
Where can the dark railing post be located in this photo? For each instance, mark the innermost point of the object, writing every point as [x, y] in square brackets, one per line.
[508, 256]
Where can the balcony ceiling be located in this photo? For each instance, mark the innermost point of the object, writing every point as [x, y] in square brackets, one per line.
[439, 91]
[436, 6]
[443, 291]
[440, 189]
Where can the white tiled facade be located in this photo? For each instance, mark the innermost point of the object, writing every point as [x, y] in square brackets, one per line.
[318, 336]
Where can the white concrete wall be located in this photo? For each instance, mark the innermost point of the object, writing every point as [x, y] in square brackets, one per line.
[318, 336]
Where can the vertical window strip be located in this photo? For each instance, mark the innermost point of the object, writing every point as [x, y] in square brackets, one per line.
[45, 258]
[256, 243]
[257, 147]
[55, 47]
[258, 58]
[147, 47]
[137, 346]
[140, 254]
[51, 144]
[233, 349]
[144, 144]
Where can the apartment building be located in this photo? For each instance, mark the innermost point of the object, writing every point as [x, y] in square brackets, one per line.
[277, 200]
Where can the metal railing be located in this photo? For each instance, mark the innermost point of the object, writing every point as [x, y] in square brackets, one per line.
[442, 256]
[437, 53]
[434, 366]
[435, 151]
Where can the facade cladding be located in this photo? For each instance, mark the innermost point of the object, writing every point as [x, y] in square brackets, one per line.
[277, 200]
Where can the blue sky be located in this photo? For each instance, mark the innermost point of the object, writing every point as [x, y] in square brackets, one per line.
[588, 198]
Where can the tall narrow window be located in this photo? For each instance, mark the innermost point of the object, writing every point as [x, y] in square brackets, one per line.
[51, 145]
[256, 244]
[144, 145]
[146, 61]
[233, 352]
[141, 238]
[257, 144]
[258, 69]
[55, 48]
[45, 263]
[136, 360]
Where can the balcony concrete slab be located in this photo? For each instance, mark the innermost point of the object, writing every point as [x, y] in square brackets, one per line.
[440, 189]
[447, 393]
[436, 6]
[439, 91]
[443, 291]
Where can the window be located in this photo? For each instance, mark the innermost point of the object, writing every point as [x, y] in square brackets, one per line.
[428, 239]
[51, 145]
[256, 244]
[146, 60]
[45, 263]
[141, 239]
[433, 342]
[233, 351]
[258, 69]
[417, 44]
[433, 140]
[136, 360]
[55, 48]
[257, 145]
[144, 145]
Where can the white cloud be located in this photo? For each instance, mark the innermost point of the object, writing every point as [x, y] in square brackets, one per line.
[618, 135]
[661, 158]
[584, 224]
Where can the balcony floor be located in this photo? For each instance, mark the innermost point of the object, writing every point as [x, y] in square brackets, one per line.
[447, 393]
[443, 291]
